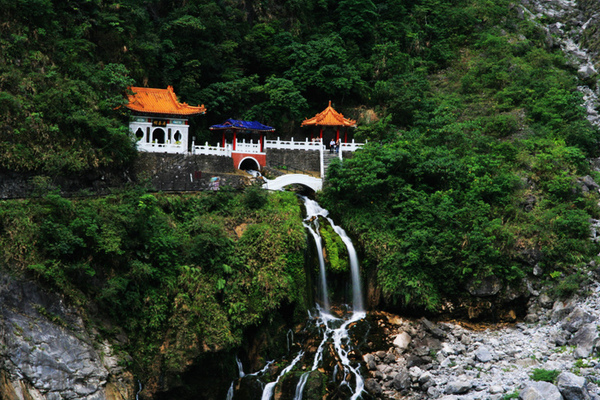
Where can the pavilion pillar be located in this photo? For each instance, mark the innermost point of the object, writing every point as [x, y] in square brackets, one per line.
[337, 135]
[261, 142]
[234, 139]
[321, 133]
[223, 138]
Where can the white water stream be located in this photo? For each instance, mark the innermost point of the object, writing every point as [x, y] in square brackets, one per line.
[335, 331]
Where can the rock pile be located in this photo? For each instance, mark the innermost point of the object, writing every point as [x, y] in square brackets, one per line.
[448, 361]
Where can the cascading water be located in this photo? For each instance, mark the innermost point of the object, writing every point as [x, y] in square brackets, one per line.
[334, 331]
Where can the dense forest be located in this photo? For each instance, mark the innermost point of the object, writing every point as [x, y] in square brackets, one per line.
[477, 146]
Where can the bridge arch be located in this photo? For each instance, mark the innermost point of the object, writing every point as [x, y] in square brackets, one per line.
[249, 163]
[279, 183]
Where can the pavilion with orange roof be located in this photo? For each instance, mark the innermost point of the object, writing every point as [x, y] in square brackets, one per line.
[159, 121]
[330, 118]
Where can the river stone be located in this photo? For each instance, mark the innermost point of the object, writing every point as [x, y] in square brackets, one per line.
[572, 387]
[585, 340]
[370, 361]
[458, 387]
[401, 380]
[402, 341]
[373, 387]
[540, 391]
[483, 354]
[495, 389]
[432, 328]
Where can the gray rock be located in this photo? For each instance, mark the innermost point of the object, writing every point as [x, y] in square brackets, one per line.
[488, 286]
[389, 358]
[495, 389]
[545, 300]
[561, 309]
[576, 319]
[585, 339]
[370, 362]
[402, 341]
[373, 387]
[458, 387]
[572, 387]
[44, 354]
[483, 354]
[432, 328]
[540, 391]
[401, 380]
[589, 181]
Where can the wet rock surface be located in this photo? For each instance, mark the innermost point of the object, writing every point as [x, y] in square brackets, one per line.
[46, 352]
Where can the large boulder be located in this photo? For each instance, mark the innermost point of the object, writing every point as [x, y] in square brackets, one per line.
[576, 319]
[585, 339]
[572, 387]
[540, 391]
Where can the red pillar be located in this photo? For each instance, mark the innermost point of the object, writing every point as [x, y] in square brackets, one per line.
[321, 132]
[337, 136]
[261, 142]
[234, 136]
[223, 138]
[346, 136]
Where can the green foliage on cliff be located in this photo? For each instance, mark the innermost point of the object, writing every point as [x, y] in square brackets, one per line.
[477, 174]
[182, 275]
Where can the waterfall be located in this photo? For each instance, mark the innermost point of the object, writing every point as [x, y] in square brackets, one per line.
[268, 391]
[139, 390]
[230, 392]
[240, 367]
[339, 335]
[313, 211]
[322, 275]
[333, 330]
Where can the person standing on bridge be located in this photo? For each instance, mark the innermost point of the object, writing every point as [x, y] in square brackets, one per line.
[337, 146]
[331, 146]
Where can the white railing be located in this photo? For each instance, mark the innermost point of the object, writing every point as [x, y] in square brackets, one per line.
[351, 146]
[292, 145]
[250, 147]
[217, 150]
[161, 147]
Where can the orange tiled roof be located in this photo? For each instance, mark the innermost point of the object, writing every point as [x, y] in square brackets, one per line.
[160, 101]
[329, 117]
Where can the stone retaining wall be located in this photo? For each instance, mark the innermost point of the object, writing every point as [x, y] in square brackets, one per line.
[297, 159]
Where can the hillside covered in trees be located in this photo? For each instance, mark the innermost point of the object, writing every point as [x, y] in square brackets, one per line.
[477, 167]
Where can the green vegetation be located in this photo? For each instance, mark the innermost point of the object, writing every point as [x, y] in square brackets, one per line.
[476, 143]
[546, 375]
[182, 275]
[475, 170]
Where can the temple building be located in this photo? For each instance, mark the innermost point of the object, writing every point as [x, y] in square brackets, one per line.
[159, 121]
[329, 118]
[242, 136]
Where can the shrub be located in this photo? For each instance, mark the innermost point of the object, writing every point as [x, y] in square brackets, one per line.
[546, 375]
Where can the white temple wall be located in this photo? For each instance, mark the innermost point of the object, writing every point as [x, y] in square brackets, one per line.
[160, 135]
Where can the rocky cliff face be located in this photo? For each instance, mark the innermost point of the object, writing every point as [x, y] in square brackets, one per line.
[573, 26]
[46, 352]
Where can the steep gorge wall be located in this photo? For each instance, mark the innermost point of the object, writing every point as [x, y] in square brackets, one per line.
[47, 353]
